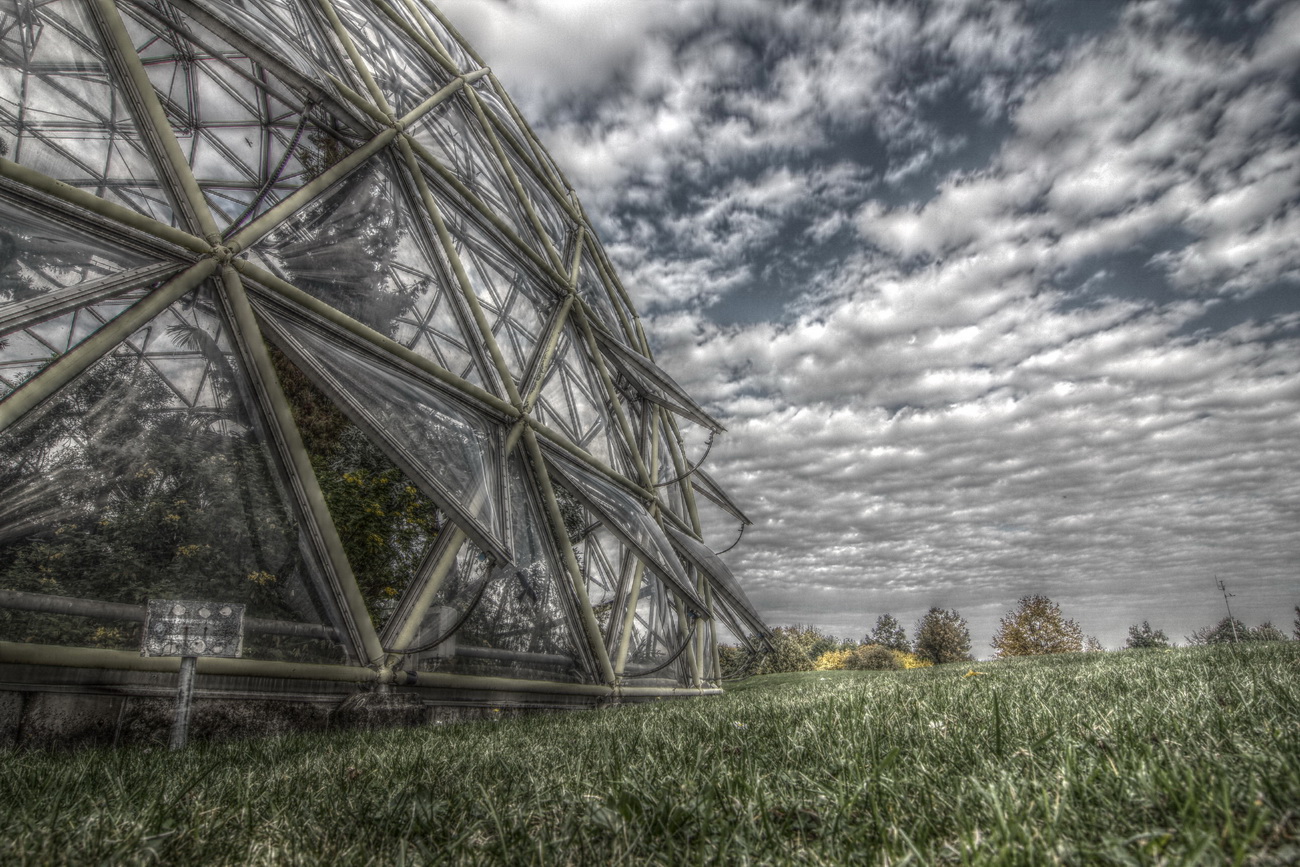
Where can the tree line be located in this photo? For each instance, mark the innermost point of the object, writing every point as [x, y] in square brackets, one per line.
[1036, 626]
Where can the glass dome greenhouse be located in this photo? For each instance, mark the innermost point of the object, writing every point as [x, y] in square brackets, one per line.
[296, 312]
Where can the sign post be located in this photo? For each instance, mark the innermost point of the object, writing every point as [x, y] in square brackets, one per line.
[189, 630]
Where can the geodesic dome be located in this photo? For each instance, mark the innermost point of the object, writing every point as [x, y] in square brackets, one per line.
[296, 312]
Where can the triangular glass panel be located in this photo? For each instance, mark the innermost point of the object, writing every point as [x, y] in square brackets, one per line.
[605, 562]
[386, 524]
[360, 248]
[572, 401]
[451, 450]
[703, 483]
[657, 638]
[442, 37]
[517, 307]
[294, 32]
[25, 352]
[117, 492]
[406, 77]
[249, 137]
[724, 582]
[41, 256]
[624, 515]
[655, 384]
[452, 134]
[516, 620]
[63, 114]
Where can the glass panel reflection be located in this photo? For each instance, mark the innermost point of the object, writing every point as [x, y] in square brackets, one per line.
[624, 515]
[149, 478]
[451, 450]
[359, 248]
[510, 621]
[63, 113]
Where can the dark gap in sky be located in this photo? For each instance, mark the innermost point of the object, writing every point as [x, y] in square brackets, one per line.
[1273, 301]
[1127, 275]
[955, 115]
[1063, 22]
[783, 273]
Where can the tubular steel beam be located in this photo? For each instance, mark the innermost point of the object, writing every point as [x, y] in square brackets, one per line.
[302, 478]
[17, 600]
[405, 622]
[346, 38]
[329, 314]
[421, 37]
[611, 395]
[518, 188]
[563, 442]
[559, 186]
[547, 354]
[358, 101]
[66, 368]
[24, 313]
[282, 210]
[462, 277]
[12, 652]
[514, 112]
[629, 616]
[104, 208]
[590, 626]
[130, 660]
[177, 168]
[487, 213]
[198, 10]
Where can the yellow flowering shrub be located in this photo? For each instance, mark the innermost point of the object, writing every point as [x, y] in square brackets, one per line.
[832, 660]
[910, 660]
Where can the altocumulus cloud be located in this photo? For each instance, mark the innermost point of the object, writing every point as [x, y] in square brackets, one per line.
[993, 298]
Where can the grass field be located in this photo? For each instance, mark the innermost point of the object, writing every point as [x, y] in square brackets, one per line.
[1143, 757]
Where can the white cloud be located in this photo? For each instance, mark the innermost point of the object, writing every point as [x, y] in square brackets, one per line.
[942, 423]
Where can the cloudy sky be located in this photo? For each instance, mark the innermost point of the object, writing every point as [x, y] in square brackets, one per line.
[994, 298]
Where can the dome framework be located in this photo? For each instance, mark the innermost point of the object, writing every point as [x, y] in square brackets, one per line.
[296, 311]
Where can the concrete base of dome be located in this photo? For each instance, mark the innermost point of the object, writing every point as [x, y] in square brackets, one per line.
[64, 707]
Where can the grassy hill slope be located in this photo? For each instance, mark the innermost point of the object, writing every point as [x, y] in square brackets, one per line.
[1141, 757]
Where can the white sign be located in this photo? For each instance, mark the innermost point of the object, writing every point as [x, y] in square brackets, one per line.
[177, 627]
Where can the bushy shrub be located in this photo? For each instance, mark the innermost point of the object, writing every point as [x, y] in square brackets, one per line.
[872, 657]
[942, 636]
[1230, 629]
[832, 660]
[789, 652]
[1266, 631]
[909, 660]
[1144, 636]
[735, 661]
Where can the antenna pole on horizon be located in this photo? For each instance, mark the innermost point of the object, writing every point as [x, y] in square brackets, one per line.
[1226, 595]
